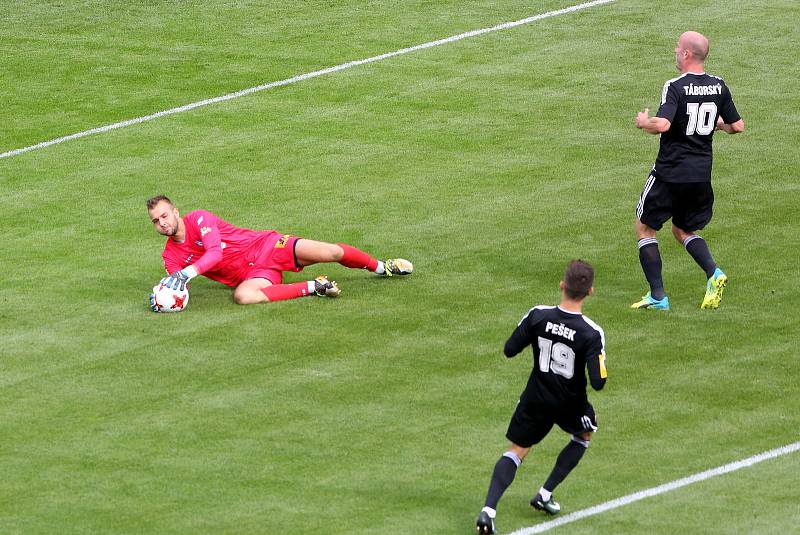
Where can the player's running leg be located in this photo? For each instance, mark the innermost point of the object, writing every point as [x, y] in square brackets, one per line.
[567, 460]
[714, 288]
[504, 472]
[311, 252]
[650, 259]
[259, 290]
[697, 248]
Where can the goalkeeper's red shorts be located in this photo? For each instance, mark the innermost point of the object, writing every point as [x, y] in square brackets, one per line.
[275, 256]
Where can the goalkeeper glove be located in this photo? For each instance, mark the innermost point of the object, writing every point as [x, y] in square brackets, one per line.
[153, 305]
[179, 279]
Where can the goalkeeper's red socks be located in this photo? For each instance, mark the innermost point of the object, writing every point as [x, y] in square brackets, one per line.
[281, 292]
[352, 258]
[358, 259]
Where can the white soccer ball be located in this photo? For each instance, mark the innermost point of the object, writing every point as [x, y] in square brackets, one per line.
[169, 300]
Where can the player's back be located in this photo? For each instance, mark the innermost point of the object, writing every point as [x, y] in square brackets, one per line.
[691, 102]
[562, 343]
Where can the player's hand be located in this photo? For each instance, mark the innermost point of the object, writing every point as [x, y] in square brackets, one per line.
[642, 118]
[177, 280]
[153, 305]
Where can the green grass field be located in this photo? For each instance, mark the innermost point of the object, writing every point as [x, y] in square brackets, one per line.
[489, 162]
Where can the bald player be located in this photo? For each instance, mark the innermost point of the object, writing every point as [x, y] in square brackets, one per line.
[692, 106]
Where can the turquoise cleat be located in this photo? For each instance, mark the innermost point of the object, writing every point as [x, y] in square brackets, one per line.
[653, 304]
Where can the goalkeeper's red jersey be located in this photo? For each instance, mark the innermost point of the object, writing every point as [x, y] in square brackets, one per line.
[218, 250]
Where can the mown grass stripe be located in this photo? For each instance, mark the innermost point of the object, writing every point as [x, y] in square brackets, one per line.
[299, 78]
[661, 489]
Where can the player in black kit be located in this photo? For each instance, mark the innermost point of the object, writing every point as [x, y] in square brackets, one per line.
[564, 343]
[679, 186]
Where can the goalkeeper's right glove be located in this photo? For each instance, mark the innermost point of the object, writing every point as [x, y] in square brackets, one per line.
[179, 279]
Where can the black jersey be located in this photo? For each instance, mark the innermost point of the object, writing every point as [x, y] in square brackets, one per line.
[564, 344]
[692, 102]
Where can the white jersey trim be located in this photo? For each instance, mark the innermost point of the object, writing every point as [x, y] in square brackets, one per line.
[537, 307]
[666, 86]
[597, 328]
[668, 82]
[640, 206]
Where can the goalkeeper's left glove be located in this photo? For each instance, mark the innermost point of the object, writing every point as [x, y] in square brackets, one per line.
[153, 305]
[179, 279]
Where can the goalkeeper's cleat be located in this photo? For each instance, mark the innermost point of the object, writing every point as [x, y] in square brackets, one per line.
[714, 288]
[551, 507]
[397, 266]
[485, 524]
[326, 288]
[653, 304]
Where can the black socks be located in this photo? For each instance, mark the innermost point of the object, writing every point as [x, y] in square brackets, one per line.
[567, 460]
[698, 249]
[503, 475]
[650, 259]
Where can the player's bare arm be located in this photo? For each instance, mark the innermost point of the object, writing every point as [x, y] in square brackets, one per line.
[651, 125]
[732, 128]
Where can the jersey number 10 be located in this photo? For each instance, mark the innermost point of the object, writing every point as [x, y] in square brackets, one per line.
[558, 358]
[702, 118]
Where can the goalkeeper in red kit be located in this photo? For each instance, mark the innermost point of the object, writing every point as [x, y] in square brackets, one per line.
[251, 261]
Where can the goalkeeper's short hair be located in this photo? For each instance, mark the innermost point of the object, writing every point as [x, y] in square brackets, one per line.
[153, 201]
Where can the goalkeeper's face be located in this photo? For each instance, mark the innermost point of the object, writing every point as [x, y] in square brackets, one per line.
[165, 218]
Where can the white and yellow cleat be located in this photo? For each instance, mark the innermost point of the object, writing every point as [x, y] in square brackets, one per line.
[397, 266]
[714, 288]
[326, 288]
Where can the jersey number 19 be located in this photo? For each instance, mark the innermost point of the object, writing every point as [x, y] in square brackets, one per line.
[558, 358]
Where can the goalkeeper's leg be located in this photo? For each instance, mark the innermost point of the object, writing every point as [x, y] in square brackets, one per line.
[312, 252]
[258, 290]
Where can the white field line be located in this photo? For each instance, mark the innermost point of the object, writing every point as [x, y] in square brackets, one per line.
[666, 487]
[301, 77]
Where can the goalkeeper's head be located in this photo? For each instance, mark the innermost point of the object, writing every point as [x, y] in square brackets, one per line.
[578, 280]
[164, 216]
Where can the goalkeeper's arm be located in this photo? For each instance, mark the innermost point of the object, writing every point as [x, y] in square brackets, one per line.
[180, 278]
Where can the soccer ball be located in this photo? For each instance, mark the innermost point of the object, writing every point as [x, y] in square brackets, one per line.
[168, 300]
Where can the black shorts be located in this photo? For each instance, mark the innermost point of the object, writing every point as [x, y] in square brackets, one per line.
[531, 423]
[689, 204]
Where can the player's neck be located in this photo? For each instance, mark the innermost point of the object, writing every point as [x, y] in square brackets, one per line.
[570, 305]
[696, 68]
